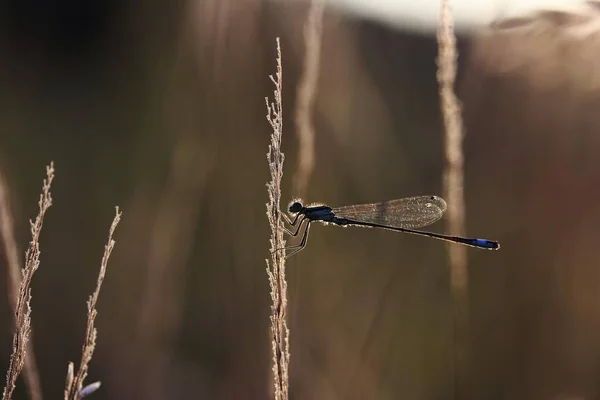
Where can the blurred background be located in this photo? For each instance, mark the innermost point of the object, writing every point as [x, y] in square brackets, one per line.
[158, 107]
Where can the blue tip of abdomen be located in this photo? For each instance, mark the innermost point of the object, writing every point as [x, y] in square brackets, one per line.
[486, 244]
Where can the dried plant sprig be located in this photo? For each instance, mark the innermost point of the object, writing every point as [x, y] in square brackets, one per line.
[454, 192]
[86, 391]
[23, 308]
[74, 387]
[453, 123]
[14, 267]
[276, 268]
[306, 96]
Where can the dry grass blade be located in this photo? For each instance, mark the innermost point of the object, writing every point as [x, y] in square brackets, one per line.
[276, 268]
[13, 263]
[454, 190]
[74, 387]
[451, 111]
[307, 90]
[23, 308]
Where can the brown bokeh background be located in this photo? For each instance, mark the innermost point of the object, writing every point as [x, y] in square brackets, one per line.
[158, 107]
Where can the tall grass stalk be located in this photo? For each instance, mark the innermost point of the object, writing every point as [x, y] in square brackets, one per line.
[14, 267]
[74, 389]
[306, 96]
[23, 308]
[276, 268]
[454, 193]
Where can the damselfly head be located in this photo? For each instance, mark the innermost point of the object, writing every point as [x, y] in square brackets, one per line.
[295, 207]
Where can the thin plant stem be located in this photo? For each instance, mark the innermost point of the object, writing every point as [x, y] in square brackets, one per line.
[454, 192]
[23, 308]
[276, 268]
[305, 101]
[14, 266]
[74, 389]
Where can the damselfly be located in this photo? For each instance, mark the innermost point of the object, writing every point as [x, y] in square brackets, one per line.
[400, 215]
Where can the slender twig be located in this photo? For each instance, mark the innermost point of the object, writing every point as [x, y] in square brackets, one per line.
[305, 101]
[454, 188]
[14, 266]
[276, 268]
[74, 389]
[23, 308]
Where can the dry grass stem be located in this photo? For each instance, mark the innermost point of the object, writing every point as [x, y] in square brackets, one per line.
[305, 102]
[13, 263]
[74, 386]
[451, 111]
[23, 308]
[454, 190]
[276, 268]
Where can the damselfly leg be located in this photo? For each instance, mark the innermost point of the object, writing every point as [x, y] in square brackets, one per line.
[293, 224]
[296, 248]
[297, 223]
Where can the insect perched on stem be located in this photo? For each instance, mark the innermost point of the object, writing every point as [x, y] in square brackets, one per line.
[400, 215]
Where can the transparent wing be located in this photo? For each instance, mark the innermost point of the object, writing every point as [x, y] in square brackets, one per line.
[409, 212]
